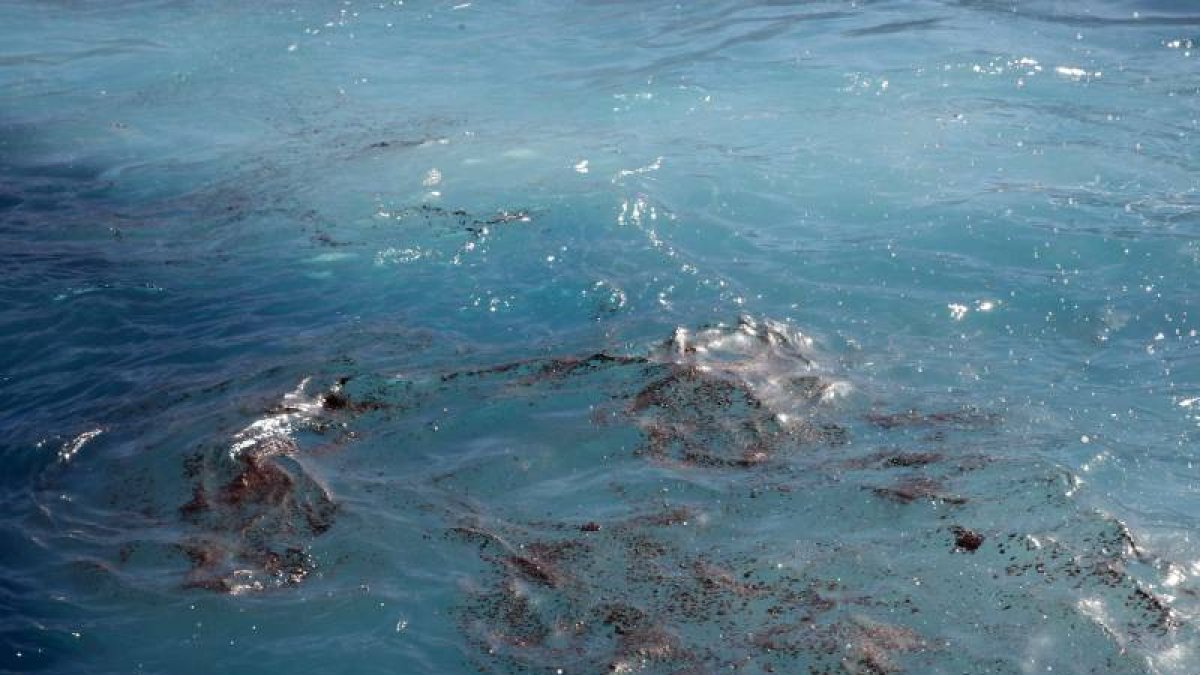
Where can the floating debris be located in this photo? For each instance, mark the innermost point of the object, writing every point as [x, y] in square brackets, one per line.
[966, 540]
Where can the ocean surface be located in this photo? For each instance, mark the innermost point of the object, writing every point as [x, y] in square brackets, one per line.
[555, 336]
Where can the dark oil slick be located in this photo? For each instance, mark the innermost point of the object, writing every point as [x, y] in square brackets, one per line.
[642, 589]
[599, 337]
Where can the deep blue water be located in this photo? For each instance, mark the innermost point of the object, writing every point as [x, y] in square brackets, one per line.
[428, 337]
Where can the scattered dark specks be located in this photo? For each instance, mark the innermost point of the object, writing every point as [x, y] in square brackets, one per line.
[623, 618]
[908, 459]
[519, 215]
[404, 143]
[667, 518]
[325, 239]
[533, 569]
[890, 458]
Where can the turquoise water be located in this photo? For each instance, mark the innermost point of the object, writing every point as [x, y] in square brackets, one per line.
[580, 337]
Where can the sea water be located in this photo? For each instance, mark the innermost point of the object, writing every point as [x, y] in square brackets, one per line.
[578, 337]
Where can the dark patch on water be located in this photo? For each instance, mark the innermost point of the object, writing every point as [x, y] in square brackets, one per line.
[473, 223]
[966, 540]
[539, 371]
[637, 589]
[632, 593]
[635, 598]
[326, 239]
[262, 517]
[255, 507]
[401, 143]
[693, 417]
[639, 593]
[895, 458]
[896, 27]
[918, 488]
[1103, 562]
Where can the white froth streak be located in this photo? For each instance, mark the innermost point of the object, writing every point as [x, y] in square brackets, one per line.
[766, 357]
[72, 447]
[295, 407]
[1094, 609]
[652, 166]
[1075, 73]
[1173, 659]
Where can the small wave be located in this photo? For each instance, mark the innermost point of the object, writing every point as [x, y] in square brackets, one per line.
[272, 434]
[897, 27]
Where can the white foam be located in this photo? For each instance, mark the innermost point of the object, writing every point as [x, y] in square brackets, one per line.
[769, 357]
[72, 447]
[270, 433]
